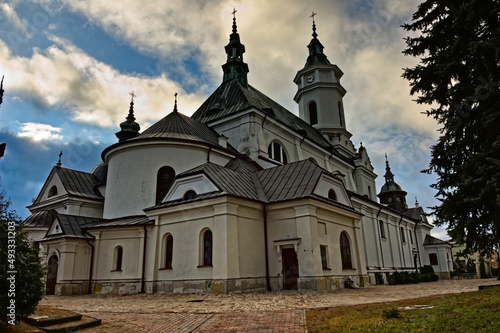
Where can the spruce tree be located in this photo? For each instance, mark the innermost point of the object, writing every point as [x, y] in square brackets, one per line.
[458, 77]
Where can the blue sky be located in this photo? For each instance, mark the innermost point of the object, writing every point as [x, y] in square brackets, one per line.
[69, 66]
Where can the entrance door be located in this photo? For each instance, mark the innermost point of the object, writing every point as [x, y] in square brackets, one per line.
[290, 268]
[50, 288]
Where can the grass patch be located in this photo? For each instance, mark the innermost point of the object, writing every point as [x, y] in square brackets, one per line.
[467, 312]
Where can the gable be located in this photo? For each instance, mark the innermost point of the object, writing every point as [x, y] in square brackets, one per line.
[198, 183]
[326, 184]
[55, 228]
[47, 192]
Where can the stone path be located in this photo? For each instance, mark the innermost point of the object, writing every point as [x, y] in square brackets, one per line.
[248, 312]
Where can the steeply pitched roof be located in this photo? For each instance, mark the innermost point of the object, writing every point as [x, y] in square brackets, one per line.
[120, 222]
[228, 181]
[429, 240]
[231, 97]
[71, 226]
[287, 182]
[178, 126]
[42, 219]
[293, 180]
[78, 183]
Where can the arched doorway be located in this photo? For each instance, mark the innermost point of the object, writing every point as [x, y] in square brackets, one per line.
[50, 287]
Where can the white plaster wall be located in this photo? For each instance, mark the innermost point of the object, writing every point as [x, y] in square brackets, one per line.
[130, 239]
[131, 182]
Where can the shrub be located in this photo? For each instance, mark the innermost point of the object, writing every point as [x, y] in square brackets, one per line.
[391, 314]
[426, 269]
[415, 277]
[379, 278]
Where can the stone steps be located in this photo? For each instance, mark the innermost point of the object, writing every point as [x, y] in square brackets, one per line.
[70, 322]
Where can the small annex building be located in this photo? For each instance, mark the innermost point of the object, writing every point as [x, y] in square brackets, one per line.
[243, 195]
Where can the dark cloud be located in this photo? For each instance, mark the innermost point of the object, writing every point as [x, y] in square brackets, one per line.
[26, 165]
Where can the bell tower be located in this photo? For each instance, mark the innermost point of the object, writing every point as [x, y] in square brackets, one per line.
[234, 66]
[320, 94]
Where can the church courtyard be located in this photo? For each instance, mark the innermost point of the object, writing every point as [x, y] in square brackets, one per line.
[246, 312]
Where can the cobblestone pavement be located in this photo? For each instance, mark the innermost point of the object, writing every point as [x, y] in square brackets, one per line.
[247, 312]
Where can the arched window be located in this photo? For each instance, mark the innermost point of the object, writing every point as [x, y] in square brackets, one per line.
[276, 152]
[53, 191]
[169, 247]
[118, 258]
[207, 248]
[345, 251]
[164, 178]
[341, 111]
[313, 113]
[332, 195]
[189, 195]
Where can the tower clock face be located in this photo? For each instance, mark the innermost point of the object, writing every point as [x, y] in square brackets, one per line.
[310, 78]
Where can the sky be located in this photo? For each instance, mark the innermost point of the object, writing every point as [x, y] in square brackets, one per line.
[69, 67]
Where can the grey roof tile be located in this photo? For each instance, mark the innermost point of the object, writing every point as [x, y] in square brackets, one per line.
[78, 183]
[42, 219]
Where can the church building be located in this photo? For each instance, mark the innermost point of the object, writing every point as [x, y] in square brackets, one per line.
[241, 196]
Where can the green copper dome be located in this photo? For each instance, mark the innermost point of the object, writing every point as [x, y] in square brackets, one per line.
[129, 128]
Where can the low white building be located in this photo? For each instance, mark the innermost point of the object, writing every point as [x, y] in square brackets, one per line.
[243, 195]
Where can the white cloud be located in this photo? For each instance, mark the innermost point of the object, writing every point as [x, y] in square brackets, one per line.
[39, 132]
[12, 17]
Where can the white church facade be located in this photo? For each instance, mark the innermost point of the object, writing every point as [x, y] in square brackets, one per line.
[243, 195]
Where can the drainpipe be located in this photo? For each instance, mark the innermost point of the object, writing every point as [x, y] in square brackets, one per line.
[401, 237]
[143, 289]
[268, 279]
[380, 237]
[418, 248]
[89, 291]
[208, 154]
[263, 121]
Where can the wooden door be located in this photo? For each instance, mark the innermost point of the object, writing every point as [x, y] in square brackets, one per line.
[290, 267]
[50, 287]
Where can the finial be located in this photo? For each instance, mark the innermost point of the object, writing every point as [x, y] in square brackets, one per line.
[1, 91]
[59, 162]
[133, 95]
[234, 20]
[386, 161]
[314, 34]
[175, 103]
[416, 202]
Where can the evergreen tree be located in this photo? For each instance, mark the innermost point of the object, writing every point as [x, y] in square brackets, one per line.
[458, 77]
[21, 273]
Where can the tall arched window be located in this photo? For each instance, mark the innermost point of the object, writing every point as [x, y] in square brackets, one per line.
[53, 191]
[313, 113]
[164, 178]
[207, 248]
[276, 152]
[169, 247]
[345, 251]
[332, 195]
[341, 111]
[118, 258]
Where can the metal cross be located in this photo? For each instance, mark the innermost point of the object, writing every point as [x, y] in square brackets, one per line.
[133, 95]
[59, 162]
[234, 13]
[313, 14]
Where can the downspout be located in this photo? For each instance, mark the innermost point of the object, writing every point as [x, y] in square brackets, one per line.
[263, 121]
[380, 237]
[268, 279]
[418, 248]
[208, 154]
[143, 289]
[401, 238]
[89, 291]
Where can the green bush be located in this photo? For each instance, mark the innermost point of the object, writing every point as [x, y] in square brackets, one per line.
[391, 314]
[415, 277]
[426, 269]
[379, 278]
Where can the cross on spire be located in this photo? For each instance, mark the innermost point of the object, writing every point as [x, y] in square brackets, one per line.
[312, 15]
[234, 13]
[133, 95]
[314, 34]
[59, 162]
[175, 102]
